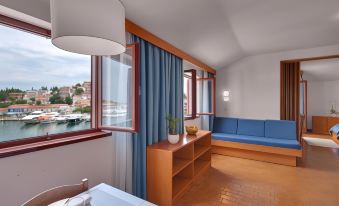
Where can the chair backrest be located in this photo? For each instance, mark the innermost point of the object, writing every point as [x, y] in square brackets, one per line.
[58, 193]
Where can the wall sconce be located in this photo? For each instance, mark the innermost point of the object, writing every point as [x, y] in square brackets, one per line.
[226, 96]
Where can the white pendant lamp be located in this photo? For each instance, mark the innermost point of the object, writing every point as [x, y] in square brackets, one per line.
[91, 27]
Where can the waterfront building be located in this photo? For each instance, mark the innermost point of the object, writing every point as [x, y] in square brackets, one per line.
[26, 108]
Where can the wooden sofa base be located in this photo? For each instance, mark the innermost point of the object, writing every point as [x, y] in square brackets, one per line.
[281, 156]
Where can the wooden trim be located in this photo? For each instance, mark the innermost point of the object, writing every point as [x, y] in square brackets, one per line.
[193, 93]
[135, 93]
[256, 155]
[43, 138]
[46, 140]
[148, 36]
[21, 149]
[311, 58]
[24, 26]
[258, 148]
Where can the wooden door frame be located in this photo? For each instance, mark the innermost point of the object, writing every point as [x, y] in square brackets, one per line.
[334, 56]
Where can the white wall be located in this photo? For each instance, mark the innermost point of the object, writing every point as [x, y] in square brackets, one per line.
[23, 176]
[321, 96]
[254, 83]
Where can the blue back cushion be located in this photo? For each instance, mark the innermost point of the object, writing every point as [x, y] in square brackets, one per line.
[281, 129]
[225, 125]
[251, 127]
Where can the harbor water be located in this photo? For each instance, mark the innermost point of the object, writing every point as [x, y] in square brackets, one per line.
[13, 130]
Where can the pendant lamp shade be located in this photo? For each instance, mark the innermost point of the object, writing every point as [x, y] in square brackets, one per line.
[91, 27]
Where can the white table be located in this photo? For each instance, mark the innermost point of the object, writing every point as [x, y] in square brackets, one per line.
[105, 195]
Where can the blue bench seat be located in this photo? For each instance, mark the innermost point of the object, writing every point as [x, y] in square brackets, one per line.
[273, 142]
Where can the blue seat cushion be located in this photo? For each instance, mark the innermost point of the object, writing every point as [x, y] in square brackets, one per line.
[225, 125]
[251, 127]
[280, 129]
[272, 142]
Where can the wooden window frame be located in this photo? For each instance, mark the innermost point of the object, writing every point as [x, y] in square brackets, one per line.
[135, 93]
[31, 144]
[213, 96]
[193, 93]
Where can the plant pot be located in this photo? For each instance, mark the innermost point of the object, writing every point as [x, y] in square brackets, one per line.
[173, 138]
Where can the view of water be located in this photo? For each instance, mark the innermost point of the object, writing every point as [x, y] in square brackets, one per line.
[12, 130]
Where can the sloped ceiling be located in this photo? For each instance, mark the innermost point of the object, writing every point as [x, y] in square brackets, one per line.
[220, 32]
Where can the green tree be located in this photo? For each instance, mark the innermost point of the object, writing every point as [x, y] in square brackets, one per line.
[56, 99]
[69, 100]
[38, 102]
[21, 101]
[78, 85]
[44, 88]
[55, 90]
[32, 99]
[79, 91]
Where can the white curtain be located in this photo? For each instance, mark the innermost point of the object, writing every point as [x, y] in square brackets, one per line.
[122, 161]
[122, 154]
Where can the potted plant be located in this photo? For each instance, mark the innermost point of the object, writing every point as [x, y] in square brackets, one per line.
[173, 137]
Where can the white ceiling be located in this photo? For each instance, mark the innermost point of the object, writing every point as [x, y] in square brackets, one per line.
[321, 70]
[220, 32]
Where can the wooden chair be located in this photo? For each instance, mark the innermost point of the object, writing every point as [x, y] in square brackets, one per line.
[57, 193]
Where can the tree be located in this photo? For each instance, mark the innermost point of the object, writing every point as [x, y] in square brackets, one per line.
[44, 88]
[21, 101]
[55, 90]
[69, 100]
[79, 91]
[32, 99]
[38, 102]
[78, 85]
[56, 99]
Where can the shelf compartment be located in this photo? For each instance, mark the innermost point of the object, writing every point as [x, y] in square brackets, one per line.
[182, 180]
[200, 150]
[179, 164]
[202, 162]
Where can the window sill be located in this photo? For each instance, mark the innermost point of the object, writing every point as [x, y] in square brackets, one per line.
[16, 150]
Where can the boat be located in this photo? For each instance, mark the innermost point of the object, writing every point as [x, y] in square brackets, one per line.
[74, 118]
[48, 118]
[61, 119]
[33, 118]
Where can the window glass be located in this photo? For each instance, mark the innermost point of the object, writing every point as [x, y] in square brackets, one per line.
[188, 95]
[119, 95]
[205, 96]
[43, 89]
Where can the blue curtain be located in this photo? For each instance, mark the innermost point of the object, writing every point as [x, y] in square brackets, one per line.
[161, 83]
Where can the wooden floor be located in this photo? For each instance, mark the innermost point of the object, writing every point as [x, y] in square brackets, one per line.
[235, 181]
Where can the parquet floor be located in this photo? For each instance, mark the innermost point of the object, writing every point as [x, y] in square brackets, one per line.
[235, 181]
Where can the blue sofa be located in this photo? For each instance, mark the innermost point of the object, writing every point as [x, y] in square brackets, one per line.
[270, 139]
[274, 133]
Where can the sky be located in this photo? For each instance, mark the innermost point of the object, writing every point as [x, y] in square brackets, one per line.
[28, 60]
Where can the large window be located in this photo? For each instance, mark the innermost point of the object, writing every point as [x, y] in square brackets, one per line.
[119, 96]
[44, 90]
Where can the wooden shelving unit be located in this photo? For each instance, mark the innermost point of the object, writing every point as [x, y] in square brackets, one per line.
[172, 168]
